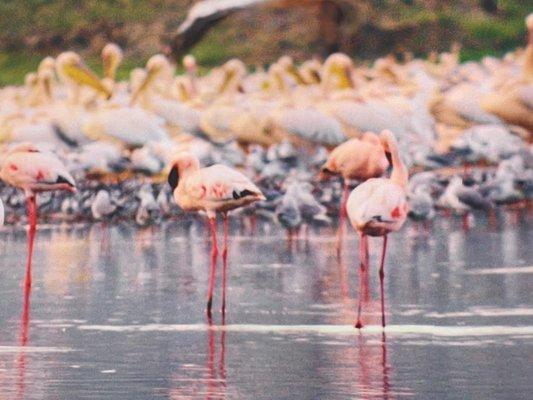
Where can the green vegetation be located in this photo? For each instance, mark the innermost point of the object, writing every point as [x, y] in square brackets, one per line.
[30, 29]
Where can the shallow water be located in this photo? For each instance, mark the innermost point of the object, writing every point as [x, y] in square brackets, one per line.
[118, 312]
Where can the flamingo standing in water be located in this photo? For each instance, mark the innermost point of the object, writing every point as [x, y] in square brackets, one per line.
[356, 159]
[377, 207]
[33, 171]
[214, 189]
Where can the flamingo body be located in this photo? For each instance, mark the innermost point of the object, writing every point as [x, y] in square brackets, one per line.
[33, 171]
[377, 207]
[358, 159]
[213, 189]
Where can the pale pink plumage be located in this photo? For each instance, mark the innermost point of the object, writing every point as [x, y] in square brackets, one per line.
[358, 159]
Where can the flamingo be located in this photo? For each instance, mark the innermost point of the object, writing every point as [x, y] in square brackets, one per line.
[376, 208]
[214, 189]
[27, 168]
[356, 159]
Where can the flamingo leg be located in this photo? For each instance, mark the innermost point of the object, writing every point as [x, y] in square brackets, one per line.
[32, 219]
[363, 248]
[342, 217]
[466, 222]
[224, 263]
[381, 279]
[212, 274]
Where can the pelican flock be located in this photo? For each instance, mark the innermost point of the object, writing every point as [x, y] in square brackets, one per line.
[263, 139]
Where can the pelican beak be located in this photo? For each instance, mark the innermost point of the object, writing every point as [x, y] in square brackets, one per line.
[316, 76]
[81, 74]
[228, 77]
[346, 78]
[147, 81]
[291, 69]
[110, 66]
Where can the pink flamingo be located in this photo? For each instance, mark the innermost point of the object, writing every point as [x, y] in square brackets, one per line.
[213, 189]
[377, 207]
[33, 171]
[356, 159]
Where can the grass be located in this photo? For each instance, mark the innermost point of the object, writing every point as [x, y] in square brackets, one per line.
[481, 34]
[15, 65]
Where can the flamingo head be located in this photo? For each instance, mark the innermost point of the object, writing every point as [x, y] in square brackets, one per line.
[182, 163]
[388, 140]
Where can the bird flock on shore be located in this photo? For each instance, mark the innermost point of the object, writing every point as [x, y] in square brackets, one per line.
[290, 142]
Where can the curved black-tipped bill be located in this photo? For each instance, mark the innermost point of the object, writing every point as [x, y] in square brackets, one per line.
[173, 178]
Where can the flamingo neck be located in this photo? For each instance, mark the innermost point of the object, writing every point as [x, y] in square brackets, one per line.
[399, 174]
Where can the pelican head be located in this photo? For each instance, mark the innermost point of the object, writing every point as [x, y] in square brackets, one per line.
[234, 70]
[179, 89]
[46, 78]
[111, 57]
[337, 71]
[156, 66]
[46, 64]
[287, 64]
[137, 76]
[70, 68]
[189, 62]
[31, 80]
[276, 74]
[310, 71]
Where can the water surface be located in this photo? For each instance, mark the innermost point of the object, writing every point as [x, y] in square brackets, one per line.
[117, 312]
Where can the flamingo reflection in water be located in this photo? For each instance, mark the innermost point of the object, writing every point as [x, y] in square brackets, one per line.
[213, 386]
[23, 339]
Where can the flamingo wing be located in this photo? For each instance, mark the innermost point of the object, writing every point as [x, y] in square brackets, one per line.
[220, 183]
[35, 170]
[378, 200]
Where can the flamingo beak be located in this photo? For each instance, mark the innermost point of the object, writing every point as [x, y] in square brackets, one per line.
[324, 174]
[389, 157]
[173, 178]
[81, 74]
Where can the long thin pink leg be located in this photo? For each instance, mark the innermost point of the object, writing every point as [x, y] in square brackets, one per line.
[366, 257]
[32, 219]
[224, 263]
[342, 218]
[466, 222]
[363, 267]
[212, 274]
[381, 279]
